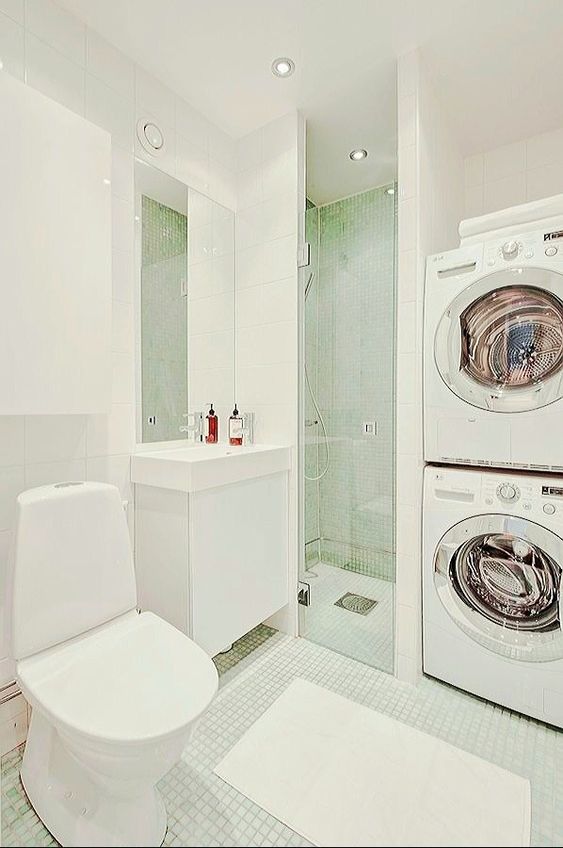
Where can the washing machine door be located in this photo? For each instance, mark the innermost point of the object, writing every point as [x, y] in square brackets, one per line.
[499, 344]
[499, 579]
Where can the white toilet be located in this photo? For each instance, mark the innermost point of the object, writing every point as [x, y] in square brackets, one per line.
[115, 694]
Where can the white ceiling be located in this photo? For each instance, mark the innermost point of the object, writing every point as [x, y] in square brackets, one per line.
[498, 64]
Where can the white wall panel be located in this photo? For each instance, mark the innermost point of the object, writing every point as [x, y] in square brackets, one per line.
[55, 261]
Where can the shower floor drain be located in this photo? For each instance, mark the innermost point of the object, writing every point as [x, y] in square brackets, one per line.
[355, 603]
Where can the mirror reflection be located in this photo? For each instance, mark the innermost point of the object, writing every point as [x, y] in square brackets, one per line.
[185, 306]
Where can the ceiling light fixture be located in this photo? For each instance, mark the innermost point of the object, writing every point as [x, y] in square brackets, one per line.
[358, 155]
[390, 190]
[283, 67]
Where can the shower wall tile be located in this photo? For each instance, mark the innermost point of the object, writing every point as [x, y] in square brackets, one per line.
[67, 61]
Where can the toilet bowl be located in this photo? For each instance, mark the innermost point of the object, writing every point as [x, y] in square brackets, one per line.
[115, 694]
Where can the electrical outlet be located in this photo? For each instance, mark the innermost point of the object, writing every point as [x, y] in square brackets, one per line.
[151, 420]
[369, 428]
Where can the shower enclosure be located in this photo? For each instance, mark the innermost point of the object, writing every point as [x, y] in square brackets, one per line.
[348, 426]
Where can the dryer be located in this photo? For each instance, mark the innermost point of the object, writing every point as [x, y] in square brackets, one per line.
[493, 342]
[492, 574]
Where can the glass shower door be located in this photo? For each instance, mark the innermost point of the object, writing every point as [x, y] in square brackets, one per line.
[348, 427]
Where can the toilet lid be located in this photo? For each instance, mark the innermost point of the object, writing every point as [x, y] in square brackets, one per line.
[134, 679]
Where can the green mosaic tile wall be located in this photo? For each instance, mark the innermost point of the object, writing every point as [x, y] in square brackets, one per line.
[350, 350]
[164, 320]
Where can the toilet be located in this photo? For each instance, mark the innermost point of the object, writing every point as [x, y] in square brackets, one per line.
[115, 693]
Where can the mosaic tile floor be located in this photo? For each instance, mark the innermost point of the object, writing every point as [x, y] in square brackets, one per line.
[366, 638]
[204, 811]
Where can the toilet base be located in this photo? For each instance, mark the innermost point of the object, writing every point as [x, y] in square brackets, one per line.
[74, 808]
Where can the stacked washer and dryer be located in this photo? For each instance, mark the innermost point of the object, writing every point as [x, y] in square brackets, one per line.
[493, 485]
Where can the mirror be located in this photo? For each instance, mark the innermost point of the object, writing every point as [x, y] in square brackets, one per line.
[184, 306]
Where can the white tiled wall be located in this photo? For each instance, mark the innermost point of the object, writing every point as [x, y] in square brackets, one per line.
[270, 194]
[266, 279]
[514, 173]
[51, 50]
[430, 206]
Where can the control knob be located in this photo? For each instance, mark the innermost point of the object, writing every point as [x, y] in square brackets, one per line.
[510, 249]
[508, 493]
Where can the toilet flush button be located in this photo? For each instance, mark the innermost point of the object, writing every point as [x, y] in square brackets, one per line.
[550, 251]
[548, 508]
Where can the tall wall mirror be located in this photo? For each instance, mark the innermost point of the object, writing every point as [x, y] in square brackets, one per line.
[185, 305]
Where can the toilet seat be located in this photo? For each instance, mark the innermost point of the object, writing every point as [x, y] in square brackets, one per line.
[112, 684]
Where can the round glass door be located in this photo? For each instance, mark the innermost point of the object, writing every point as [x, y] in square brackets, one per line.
[499, 578]
[499, 345]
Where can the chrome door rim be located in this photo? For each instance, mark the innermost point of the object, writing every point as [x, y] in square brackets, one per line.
[524, 644]
[449, 344]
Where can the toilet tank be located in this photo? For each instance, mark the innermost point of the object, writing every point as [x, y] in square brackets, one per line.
[71, 567]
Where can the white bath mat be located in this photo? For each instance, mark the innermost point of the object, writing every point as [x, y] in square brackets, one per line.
[342, 774]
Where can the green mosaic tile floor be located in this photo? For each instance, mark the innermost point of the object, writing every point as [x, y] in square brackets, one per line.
[205, 811]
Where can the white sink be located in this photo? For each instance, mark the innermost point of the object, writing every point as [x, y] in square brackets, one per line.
[197, 467]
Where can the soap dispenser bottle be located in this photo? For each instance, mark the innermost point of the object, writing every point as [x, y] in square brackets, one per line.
[235, 427]
[212, 426]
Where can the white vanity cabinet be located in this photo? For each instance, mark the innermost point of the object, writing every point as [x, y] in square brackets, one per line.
[212, 556]
[55, 257]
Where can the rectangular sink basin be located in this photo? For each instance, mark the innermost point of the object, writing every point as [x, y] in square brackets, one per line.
[198, 467]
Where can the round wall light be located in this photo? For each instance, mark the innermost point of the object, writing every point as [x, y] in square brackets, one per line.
[283, 67]
[358, 155]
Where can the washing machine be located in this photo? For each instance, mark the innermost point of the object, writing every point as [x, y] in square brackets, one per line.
[492, 599]
[493, 342]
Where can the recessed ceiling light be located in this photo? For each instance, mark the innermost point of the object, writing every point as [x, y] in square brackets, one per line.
[283, 67]
[390, 190]
[357, 155]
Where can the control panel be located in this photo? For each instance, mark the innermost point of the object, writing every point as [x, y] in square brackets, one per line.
[523, 495]
[539, 245]
[532, 496]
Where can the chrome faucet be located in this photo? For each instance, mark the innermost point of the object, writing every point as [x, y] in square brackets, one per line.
[247, 428]
[196, 427]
